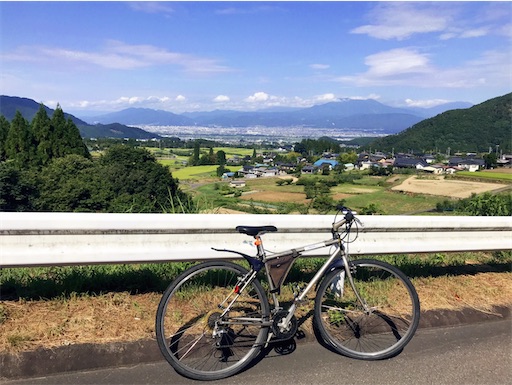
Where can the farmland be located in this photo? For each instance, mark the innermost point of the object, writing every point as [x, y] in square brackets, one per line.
[392, 195]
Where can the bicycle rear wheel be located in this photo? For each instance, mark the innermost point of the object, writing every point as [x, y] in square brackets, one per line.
[207, 326]
[389, 321]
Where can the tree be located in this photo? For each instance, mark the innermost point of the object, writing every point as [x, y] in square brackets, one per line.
[66, 138]
[221, 158]
[73, 183]
[4, 130]
[221, 170]
[491, 160]
[348, 157]
[487, 204]
[17, 189]
[139, 183]
[20, 145]
[194, 160]
[43, 136]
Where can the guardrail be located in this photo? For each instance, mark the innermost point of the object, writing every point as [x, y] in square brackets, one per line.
[40, 239]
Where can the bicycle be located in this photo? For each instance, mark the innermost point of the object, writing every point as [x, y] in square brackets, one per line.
[215, 318]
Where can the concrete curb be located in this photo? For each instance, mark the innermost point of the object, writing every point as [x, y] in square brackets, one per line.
[43, 362]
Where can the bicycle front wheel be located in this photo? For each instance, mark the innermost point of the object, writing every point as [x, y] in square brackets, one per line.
[208, 325]
[376, 325]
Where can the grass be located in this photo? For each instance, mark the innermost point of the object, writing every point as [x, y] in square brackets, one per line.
[486, 175]
[198, 172]
[85, 313]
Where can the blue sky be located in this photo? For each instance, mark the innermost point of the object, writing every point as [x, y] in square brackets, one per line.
[190, 56]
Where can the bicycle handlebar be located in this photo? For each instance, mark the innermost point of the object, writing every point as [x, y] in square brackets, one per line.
[348, 218]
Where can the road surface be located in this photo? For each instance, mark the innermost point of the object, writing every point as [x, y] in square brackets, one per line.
[472, 354]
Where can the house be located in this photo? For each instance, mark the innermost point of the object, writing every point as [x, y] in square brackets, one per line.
[366, 165]
[471, 164]
[349, 166]
[416, 163]
[429, 158]
[321, 163]
[286, 167]
[309, 169]
[504, 161]
[237, 183]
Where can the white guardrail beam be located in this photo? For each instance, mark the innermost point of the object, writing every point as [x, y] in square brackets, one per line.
[42, 239]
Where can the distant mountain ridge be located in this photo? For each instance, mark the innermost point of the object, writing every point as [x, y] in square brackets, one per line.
[475, 129]
[344, 113]
[28, 108]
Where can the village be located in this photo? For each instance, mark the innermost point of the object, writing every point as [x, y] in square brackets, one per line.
[379, 162]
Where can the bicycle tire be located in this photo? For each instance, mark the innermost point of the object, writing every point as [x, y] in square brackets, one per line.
[187, 322]
[378, 334]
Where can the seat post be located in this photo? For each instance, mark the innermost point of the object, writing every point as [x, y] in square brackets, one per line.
[258, 242]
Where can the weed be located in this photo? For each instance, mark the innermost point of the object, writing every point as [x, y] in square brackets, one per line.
[17, 340]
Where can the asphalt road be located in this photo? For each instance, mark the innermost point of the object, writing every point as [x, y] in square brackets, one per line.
[472, 354]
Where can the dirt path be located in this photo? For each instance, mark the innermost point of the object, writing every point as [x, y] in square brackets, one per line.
[445, 187]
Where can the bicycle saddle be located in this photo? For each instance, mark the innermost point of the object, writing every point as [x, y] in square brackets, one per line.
[255, 230]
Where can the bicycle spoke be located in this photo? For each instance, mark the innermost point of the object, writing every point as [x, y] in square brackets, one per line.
[384, 328]
[207, 340]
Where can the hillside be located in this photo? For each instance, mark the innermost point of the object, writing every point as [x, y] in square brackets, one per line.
[28, 108]
[474, 129]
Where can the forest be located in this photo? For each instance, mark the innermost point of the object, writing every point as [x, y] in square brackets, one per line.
[45, 166]
[474, 129]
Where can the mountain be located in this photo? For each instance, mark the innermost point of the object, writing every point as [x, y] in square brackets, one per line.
[474, 129]
[143, 116]
[344, 114]
[28, 108]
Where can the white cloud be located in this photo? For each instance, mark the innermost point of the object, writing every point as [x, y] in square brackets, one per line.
[370, 96]
[221, 99]
[401, 20]
[180, 98]
[407, 67]
[329, 97]
[425, 103]
[460, 33]
[258, 97]
[477, 32]
[396, 62]
[117, 55]
[319, 66]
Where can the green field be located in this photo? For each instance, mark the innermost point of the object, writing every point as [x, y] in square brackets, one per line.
[198, 172]
[497, 176]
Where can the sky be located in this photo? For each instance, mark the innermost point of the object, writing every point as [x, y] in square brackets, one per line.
[201, 56]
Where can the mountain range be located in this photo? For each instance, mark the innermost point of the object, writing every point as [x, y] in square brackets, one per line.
[344, 114]
[28, 108]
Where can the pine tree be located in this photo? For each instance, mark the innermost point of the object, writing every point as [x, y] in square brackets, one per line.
[58, 140]
[4, 130]
[43, 135]
[19, 145]
[74, 140]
